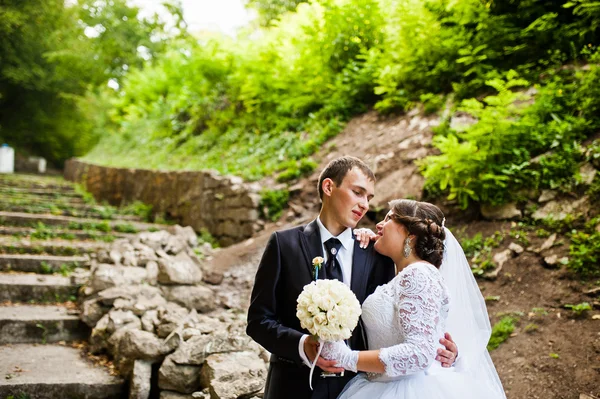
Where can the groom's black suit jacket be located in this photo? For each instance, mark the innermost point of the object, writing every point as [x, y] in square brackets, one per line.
[284, 270]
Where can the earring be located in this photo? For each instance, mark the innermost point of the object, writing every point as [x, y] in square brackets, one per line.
[407, 248]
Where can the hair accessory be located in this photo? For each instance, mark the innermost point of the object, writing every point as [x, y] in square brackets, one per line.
[407, 248]
[444, 222]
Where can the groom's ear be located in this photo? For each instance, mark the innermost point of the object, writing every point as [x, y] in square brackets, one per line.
[327, 186]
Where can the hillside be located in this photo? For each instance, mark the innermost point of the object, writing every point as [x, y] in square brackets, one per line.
[528, 288]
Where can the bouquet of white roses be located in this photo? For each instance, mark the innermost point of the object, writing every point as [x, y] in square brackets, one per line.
[329, 310]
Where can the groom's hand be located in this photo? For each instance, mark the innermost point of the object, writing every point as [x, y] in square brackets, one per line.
[310, 349]
[447, 356]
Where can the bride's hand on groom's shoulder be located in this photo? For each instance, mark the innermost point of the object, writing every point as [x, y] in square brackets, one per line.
[364, 236]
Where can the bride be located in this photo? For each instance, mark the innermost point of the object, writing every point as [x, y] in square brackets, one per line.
[433, 291]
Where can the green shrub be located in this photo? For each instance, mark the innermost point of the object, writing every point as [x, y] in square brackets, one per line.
[501, 332]
[125, 228]
[273, 202]
[584, 253]
[137, 208]
[579, 309]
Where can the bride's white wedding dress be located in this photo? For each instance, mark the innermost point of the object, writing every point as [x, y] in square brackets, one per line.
[405, 319]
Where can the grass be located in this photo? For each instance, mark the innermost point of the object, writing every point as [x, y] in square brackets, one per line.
[125, 228]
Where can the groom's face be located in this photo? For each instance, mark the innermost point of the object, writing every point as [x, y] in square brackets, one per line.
[350, 200]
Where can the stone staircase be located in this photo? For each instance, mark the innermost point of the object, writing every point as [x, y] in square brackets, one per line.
[42, 245]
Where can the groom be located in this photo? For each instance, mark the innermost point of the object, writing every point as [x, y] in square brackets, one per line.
[345, 187]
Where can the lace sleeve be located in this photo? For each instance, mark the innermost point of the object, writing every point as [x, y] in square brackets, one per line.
[419, 297]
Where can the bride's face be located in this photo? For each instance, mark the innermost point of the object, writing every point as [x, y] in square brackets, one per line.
[391, 236]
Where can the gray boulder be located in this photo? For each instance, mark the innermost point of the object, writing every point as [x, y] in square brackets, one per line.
[139, 386]
[106, 276]
[197, 297]
[231, 375]
[179, 378]
[501, 212]
[139, 344]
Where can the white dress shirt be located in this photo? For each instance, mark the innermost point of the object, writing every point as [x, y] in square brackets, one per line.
[344, 258]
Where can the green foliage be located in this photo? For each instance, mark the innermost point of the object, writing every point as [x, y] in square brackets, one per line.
[501, 332]
[580, 308]
[270, 10]
[272, 203]
[584, 252]
[479, 251]
[554, 355]
[269, 99]
[51, 53]
[520, 235]
[481, 163]
[137, 208]
[45, 268]
[125, 228]
[531, 327]
[206, 237]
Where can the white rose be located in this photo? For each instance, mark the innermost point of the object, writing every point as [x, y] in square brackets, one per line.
[320, 319]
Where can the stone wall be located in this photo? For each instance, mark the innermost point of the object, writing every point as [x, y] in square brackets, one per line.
[224, 205]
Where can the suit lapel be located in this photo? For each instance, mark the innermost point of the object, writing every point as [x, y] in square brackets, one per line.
[361, 266]
[310, 240]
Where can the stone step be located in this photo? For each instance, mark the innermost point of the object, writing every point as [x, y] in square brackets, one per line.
[38, 192]
[54, 371]
[83, 211]
[4, 184]
[26, 219]
[33, 178]
[25, 324]
[64, 234]
[20, 199]
[10, 245]
[21, 287]
[41, 263]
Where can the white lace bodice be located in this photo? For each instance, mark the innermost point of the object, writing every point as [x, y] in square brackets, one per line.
[405, 318]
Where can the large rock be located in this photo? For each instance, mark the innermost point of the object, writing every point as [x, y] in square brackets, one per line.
[501, 212]
[198, 348]
[231, 375]
[197, 297]
[139, 344]
[179, 378]
[139, 386]
[123, 253]
[92, 311]
[144, 254]
[109, 330]
[171, 316]
[560, 209]
[179, 269]
[106, 276]
[155, 239]
[587, 173]
[186, 233]
[150, 321]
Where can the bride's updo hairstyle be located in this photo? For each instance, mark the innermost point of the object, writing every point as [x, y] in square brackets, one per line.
[424, 221]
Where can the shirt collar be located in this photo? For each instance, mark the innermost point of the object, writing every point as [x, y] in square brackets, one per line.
[345, 236]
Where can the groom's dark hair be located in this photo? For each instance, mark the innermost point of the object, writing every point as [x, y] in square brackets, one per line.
[337, 169]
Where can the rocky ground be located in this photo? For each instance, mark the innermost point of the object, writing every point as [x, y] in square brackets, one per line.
[90, 311]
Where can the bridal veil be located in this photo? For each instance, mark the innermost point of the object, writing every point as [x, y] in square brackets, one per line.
[468, 320]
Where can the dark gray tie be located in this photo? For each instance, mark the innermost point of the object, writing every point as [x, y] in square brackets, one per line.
[333, 269]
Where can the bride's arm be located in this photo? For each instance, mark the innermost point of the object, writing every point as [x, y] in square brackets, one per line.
[419, 302]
